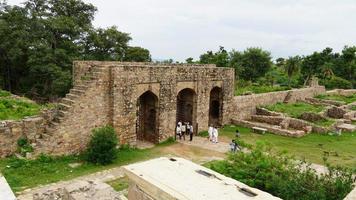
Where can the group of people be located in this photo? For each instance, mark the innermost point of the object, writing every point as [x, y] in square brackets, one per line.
[183, 129]
[213, 134]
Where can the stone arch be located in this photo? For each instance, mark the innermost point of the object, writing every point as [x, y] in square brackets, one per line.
[187, 106]
[215, 106]
[147, 117]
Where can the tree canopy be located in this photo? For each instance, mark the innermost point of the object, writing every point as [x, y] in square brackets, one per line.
[40, 39]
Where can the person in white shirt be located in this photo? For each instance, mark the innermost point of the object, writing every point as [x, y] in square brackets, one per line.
[210, 131]
[183, 129]
[215, 135]
[179, 132]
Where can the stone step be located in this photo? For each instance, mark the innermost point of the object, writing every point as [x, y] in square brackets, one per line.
[80, 87]
[58, 119]
[62, 113]
[71, 96]
[98, 69]
[67, 101]
[97, 74]
[53, 124]
[63, 106]
[76, 91]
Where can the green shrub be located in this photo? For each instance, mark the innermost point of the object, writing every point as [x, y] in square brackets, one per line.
[4, 93]
[102, 146]
[336, 82]
[282, 176]
[24, 146]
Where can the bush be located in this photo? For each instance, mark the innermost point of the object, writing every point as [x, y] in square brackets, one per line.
[24, 146]
[102, 146]
[336, 82]
[283, 177]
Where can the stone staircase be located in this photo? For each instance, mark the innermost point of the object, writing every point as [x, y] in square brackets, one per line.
[65, 106]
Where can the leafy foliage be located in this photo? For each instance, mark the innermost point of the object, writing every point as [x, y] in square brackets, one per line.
[336, 82]
[281, 176]
[39, 41]
[24, 146]
[102, 146]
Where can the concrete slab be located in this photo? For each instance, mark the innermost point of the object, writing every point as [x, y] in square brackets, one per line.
[5, 190]
[176, 178]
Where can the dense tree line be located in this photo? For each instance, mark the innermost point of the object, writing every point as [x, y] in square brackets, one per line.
[334, 70]
[40, 39]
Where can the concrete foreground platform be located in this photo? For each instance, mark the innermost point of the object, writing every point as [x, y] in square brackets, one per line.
[176, 178]
[5, 190]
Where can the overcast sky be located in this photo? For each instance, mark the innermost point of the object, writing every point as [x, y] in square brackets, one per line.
[179, 29]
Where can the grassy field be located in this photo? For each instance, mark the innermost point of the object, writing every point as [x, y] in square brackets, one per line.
[18, 108]
[340, 150]
[346, 99]
[295, 109]
[20, 173]
[259, 89]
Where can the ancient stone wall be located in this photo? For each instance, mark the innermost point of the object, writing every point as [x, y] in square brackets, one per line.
[30, 127]
[245, 106]
[130, 82]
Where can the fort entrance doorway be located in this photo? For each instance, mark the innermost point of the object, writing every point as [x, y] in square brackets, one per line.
[186, 106]
[147, 112]
[215, 107]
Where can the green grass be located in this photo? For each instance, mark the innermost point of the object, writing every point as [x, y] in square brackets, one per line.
[4, 93]
[259, 89]
[346, 99]
[295, 109]
[15, 109]
[312, 147]
[20, 173]
[353, 107]
[120, 184]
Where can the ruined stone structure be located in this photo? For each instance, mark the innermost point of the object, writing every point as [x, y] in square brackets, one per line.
[142, 101]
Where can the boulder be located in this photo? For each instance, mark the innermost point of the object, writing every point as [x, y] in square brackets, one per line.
[336, 112]
[311, 117]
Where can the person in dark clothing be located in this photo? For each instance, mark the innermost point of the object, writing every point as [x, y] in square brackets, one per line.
[237, 133]
[191, 132]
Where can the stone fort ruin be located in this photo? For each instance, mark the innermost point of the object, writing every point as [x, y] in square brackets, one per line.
[142, 101]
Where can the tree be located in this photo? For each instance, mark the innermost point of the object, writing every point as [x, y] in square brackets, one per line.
[137, 54]
[220, 58]
[40, 40]
[291, 67]
[106, 44]
[189, 60]
[252, 63]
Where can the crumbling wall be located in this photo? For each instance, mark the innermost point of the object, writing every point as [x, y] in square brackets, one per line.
[245, 106]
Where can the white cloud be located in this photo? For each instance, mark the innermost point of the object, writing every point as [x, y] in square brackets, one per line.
[186, 28]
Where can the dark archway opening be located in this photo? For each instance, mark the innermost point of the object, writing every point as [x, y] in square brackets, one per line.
[147, 114]
[215, 107]
[186, 106]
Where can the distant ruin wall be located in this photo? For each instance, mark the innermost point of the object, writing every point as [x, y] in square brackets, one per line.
[341, 92]
[245, 106]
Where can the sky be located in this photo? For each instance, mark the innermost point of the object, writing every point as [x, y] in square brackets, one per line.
[179, 29]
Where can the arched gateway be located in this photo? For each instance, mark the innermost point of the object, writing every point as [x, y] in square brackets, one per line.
[186, 106]
[215, 106]
[147, 112]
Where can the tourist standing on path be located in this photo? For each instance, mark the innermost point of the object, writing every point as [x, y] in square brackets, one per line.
[215, 135]
[183, 130]
[210, 131]
[179, 131]
[191, 132]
